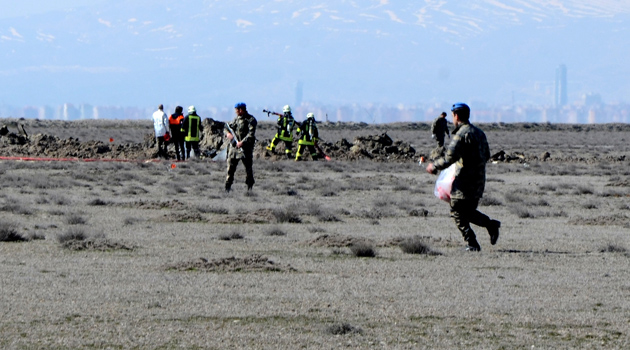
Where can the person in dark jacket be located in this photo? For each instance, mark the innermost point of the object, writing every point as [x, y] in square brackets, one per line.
[176, 121]
[439, 128]
[469, 149]
[191, 129]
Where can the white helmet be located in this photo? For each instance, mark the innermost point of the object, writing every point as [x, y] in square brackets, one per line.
[310, 116]
[286, 109]
[191, 109]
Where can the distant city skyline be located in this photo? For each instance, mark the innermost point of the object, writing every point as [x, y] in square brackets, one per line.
[590, 109]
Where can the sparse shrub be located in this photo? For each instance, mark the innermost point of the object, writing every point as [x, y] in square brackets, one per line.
[584, 190]
[59, 200]
[291, 192]
[275, 231]
[8, 233]
[342, 329]
[231, 236]
[73, 234]
[489, 201]
[611, 193]
[204, 209]
[97, 202]
[327, 217]
[589, 205]
[286, 215]
[613, 248]
[363, 250]
[16, 208]
[130, 221]
[75, 219]
[135, 190]
[316, 229]
[419, 212]
[522, 212]
[416, 245]
[547, 187]
[513, 198]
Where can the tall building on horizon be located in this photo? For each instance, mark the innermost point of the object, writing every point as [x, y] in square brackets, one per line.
[560, 96]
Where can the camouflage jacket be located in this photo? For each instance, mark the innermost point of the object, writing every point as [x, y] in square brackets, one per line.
[245, 129]
[439, 127]
[469, 149]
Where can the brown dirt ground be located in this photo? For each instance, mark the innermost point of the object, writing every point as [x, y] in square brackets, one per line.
[154, 270]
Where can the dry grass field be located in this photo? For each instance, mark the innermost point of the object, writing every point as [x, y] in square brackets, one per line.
[320, 255]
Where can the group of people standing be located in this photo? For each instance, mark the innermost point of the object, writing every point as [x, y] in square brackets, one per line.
[183, 132]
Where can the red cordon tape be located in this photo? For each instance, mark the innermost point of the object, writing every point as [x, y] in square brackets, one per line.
[36, 159]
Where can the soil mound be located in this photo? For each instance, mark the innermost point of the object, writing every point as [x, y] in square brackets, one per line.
[250, 263]
[96, 244]
[380, 148]
[337, 241]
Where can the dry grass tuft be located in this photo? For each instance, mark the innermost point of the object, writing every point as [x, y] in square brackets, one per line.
[8, 233]
[231, 236]
[73, 234]
[417, 245]
[613, 248]
[275, 231]
[286, 215]
[363, 250]
[75, 219]
[342, 329]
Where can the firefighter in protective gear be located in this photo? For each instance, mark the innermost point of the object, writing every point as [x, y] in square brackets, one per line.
[192, 129]
[285, 132]
[308, 137]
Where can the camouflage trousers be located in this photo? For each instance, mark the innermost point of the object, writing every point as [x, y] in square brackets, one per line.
[464, 212]
[248, 162]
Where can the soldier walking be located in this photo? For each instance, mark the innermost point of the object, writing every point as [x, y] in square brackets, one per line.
[469, 149]
[241, 146]
[439, 128]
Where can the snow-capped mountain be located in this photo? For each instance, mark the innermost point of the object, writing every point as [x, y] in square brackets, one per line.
[218, 52]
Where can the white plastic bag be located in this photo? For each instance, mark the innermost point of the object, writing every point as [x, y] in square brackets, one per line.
[444, 183]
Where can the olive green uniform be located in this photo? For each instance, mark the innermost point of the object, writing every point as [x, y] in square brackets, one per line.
[245, 129]
[469, 149]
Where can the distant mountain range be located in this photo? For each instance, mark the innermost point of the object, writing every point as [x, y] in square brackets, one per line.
[213, 53]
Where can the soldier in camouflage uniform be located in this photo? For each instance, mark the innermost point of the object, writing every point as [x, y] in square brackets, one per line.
[469, 149]
[439, 128]
[242, 148]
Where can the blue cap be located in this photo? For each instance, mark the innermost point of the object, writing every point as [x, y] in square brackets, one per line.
[240, 105]
[460, 105]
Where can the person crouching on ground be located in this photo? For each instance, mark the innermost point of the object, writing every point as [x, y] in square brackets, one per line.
[191, 129]
[469, 149]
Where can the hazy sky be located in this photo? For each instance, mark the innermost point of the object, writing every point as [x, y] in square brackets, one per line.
[375, 51]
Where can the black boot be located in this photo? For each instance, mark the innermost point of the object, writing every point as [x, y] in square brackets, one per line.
[493, 231]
